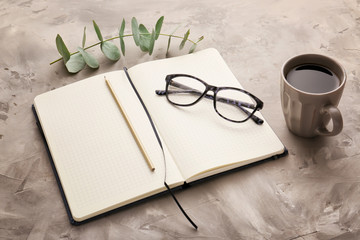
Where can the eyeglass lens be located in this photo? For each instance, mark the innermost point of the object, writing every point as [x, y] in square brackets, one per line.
[185, 90]
[234, 104]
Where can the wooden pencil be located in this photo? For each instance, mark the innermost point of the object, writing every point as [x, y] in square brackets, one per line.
[142, 149]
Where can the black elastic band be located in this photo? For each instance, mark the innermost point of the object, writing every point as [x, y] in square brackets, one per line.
[162, 149]
[178, 204]
[143, 104]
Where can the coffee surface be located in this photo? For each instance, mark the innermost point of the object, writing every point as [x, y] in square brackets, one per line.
[313, 78]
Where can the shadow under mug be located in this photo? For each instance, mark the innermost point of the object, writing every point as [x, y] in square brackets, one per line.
[309, 114]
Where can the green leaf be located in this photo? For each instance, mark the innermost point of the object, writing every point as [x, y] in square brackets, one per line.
[62, 49]
[145, 38]
[200, 38]
[175, 30]
[152, 42]
[110, 51]
[135, 31]
[98, 32]
[168, 46]
[122, 28]
[186, 35]
[75, 63]
[144, 44]
[169, 40]
[192, 49]
[90, 60]
[84, 38]
[143, 30]
[121, 37]
[122, 45]
[158, 27]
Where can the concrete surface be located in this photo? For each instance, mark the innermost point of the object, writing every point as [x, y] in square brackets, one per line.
[313, 193]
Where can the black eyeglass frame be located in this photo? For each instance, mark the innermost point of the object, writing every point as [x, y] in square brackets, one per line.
[259, 104]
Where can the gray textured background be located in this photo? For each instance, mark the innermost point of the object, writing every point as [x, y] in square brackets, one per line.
[313, 193]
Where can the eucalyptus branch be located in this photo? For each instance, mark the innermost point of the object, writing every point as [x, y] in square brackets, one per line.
[76, 61]
[127, 35]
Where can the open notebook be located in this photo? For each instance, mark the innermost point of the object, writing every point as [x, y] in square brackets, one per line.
[96, 159]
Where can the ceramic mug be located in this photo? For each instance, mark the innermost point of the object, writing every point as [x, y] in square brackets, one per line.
[308, 113]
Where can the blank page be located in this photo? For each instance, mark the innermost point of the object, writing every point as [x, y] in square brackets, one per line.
[97, 159]
[201, 142]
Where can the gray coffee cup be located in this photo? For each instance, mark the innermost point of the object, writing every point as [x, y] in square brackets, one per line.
[308, 113]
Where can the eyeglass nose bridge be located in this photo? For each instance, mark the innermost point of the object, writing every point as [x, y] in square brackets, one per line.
[212, 88]
[208, 88]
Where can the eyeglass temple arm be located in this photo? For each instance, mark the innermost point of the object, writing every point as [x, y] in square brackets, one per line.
[239, 104]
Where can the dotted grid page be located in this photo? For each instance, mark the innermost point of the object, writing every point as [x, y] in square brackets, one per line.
[142, 126]
[200, 141]
[97, 159]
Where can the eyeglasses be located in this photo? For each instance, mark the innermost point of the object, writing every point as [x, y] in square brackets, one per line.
[232, 104]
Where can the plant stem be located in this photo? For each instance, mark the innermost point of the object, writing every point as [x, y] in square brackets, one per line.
[117, 37]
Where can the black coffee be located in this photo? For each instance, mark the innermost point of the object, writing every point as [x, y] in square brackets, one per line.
[313, 78]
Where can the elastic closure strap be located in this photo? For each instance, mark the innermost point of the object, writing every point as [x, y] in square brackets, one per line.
[162, 149]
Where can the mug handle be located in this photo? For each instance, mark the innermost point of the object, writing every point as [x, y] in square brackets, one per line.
[335, 115]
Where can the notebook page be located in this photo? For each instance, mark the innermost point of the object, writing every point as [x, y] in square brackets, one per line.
[97, 159]
[142, 126]
[200, 140]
